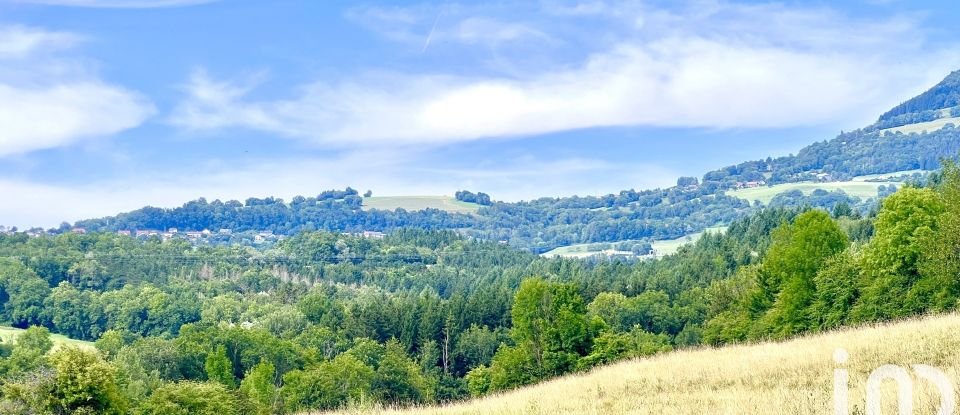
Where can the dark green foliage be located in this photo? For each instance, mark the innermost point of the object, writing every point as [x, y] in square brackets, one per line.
[328, 385]
[890, 261]
[945, 94]
[479, 198]
[939, 264]
[219, 368]
[74, 382]
[787, 288]
[550, 325]
[259, 389]
[191, 398]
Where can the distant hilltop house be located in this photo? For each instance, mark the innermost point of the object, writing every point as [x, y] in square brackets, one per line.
[366, 234]
[613, 253]
[751, 185]
[124, 233]
[79, 230]
[263, 236]
[824, 177]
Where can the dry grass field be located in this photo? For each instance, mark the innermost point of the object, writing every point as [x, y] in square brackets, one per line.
[792, 377]
[446, 203]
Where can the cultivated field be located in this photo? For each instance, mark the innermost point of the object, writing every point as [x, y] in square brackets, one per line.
[446, 203]
[670, 246]
[9, 335]
[765, 194]
[661, 247]
[920, 127]
[793, 377]
[885, 176]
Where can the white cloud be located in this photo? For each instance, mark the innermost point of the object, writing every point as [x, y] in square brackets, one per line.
[127, 4]
[490, 31]
[48, 102]
[17, 42]
[715, 66]
[39, 118]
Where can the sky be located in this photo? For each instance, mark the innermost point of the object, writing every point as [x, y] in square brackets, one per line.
[111, 105]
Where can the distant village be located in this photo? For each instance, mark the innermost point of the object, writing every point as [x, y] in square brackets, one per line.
[223, 235]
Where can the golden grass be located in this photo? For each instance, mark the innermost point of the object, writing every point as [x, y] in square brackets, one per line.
[792, 377]
[446, 203]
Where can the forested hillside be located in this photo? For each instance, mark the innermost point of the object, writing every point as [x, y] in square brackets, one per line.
[323, 320]
[643, 216]
[946, 94]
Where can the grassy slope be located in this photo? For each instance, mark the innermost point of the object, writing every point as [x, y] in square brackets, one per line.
[668, 247]
[885, 176]
[662, 247]
[793, 377]
[923, 126]
[853, 188]
[446, 203]
[9, 334]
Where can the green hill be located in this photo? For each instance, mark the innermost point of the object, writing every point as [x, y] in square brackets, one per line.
[945, 94]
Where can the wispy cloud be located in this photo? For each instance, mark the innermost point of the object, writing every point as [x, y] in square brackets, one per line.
[448, 23]
[48, 102]
[17, 42]
[124, 4]
[717, 65]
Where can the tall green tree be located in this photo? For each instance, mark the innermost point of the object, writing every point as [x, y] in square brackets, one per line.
[259, 389]
[550, 324]
[890, 261]
[798, 252]
[938, 287]
[219, 368]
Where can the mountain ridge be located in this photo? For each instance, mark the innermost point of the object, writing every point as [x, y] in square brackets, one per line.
[654, 214]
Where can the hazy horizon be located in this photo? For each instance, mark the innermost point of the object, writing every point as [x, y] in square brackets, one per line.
[113, 105]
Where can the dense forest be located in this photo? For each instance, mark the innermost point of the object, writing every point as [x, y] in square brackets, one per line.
[945, 94]
[325, 320]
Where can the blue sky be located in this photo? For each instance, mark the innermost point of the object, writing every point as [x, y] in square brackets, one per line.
[109, 105]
